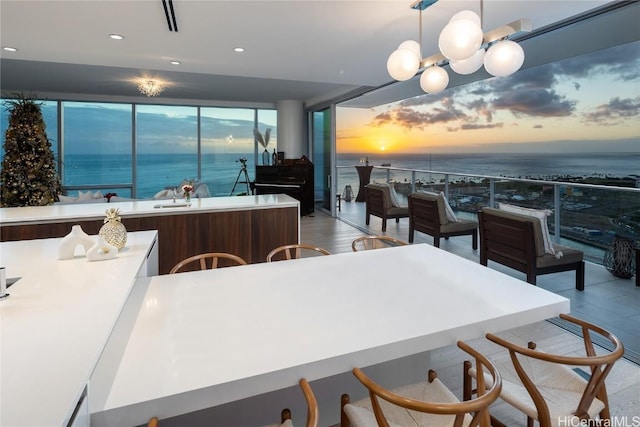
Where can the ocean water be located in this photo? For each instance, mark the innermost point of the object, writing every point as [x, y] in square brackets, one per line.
[155, 172]
[534, 166]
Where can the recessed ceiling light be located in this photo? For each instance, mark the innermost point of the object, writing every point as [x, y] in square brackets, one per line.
[238, 49]
[10, 49]
[116, 36]
[176, 62]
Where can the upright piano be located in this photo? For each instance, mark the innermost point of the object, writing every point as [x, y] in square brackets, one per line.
[294, 177]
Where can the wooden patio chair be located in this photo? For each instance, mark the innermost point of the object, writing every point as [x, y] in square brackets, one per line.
[428, 214]
[516, 241]
[378, 203]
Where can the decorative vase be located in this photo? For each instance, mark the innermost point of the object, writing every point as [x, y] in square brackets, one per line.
[113, 231]
[265, 157]
[187, 196]
[68, 244]
[619, 258]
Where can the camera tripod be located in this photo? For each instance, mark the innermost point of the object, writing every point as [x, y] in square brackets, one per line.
[241, 173]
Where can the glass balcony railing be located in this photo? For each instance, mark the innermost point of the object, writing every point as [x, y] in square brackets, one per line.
[584, 216]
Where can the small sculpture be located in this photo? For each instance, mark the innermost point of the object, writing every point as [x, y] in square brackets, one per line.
[101, 250]
[76, 237]
[114, 232]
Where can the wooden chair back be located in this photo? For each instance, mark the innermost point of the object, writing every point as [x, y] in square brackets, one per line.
[507, 241]
[378, 203]
[477, 407]
[312, 404]
[428, 214]
[600, 367]
[366, 243]
[288, 252]
[424, 214]
[516, 241]
[212, 257]
[376, 200]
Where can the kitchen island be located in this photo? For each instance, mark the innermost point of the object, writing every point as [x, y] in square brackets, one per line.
[57, 322]
[247, 226]
[227, 347]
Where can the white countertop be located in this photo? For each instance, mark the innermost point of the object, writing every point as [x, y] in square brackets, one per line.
[55, 323]
[136, 208]
[206, 338]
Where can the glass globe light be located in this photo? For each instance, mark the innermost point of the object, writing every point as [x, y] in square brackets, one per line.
[434, 79]
[467, 14]
[469, 65]
[403, 64]
[411, 45]
[460, 39]
[504, 58]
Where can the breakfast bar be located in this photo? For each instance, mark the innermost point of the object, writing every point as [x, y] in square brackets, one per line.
[208, 338]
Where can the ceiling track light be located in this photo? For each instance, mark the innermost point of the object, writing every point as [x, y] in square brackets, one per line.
[463, 46]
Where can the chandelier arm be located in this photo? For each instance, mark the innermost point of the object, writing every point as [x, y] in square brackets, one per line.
[420, 34]
[507, 30]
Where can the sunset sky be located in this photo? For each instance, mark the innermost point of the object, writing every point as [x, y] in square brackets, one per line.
[590, 103]
[587, 103]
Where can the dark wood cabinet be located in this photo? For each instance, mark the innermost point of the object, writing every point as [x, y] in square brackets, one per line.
[294, 178]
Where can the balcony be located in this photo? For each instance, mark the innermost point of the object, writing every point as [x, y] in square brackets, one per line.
[589, 217]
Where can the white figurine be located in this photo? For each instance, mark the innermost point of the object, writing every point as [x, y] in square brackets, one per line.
[101, 250]
[76, 237]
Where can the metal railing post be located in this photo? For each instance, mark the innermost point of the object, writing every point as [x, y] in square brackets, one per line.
[492, 192]
[413, 181]
[556, 216]
[446, 186]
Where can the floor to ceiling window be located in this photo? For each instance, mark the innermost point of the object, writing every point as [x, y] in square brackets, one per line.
[322, 125]
[171, 144]
[166, 148]
[226, 137]
[97, 150]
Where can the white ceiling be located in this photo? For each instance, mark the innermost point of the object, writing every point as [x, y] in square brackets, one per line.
[304, 49]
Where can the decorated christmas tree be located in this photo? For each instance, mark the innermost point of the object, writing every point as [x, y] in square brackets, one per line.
[28, 176]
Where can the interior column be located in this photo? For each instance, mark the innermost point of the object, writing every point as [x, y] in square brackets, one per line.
[291, 125]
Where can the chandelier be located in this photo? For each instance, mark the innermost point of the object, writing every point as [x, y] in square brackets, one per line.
[150, 87]
[463, 46]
